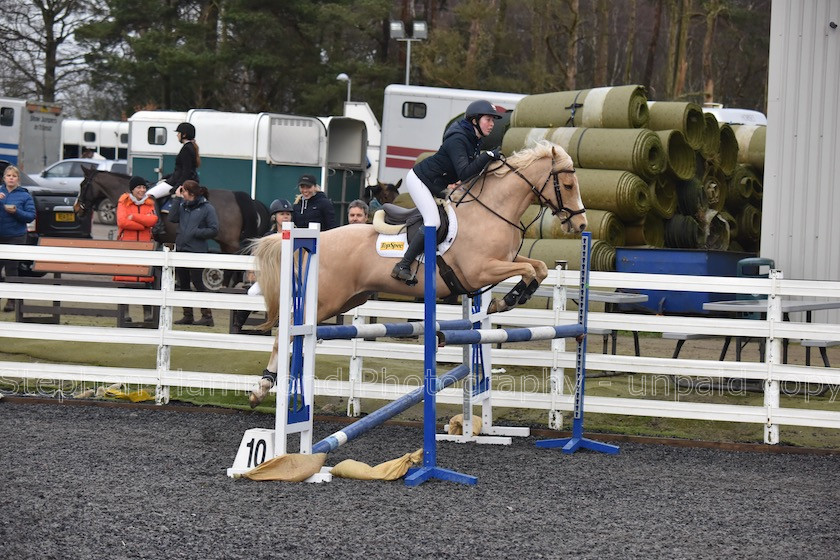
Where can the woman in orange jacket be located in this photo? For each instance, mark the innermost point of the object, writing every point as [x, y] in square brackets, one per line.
[135, 219]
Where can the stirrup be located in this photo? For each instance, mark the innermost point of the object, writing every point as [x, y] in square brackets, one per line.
[404, 274]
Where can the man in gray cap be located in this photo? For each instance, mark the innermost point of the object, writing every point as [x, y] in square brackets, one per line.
[313, 205]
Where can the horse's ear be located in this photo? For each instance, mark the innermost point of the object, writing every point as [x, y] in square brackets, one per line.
[397, 184]
[88, 170]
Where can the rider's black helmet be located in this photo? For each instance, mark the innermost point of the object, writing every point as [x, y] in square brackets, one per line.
[187, 129]
[280, 205]
[478, 108]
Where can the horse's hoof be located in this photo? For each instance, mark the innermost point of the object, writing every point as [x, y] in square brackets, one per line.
[495, 306]
[260, 391]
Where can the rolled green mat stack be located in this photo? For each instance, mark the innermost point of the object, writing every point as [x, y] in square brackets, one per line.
[604, 107]
[671, 164]
[711, 137]
[679, 155]
[682, 232]
[602, 257]
[727, 157]
[603, 225]
[751, 142]
[620, 192]
[663, 197]
[649, 231]
[685, 117]
[634, 149]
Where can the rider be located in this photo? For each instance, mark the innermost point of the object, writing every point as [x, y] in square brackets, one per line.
[458, 159]
[186, 163]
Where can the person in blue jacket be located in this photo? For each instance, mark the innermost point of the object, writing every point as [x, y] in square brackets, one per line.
[197, 224]
[18, 210]
[458, 159]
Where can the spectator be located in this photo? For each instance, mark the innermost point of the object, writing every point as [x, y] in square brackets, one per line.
[135, 219]
[313, 205]
[357, 212]
[281, 212]
[197, 223]
[18, 210]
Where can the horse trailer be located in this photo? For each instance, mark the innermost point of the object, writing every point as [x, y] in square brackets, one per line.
[261, 154]
[414, 119]
[30, 133]
[108, 139]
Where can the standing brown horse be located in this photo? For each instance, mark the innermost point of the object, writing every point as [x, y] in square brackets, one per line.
[484, 252]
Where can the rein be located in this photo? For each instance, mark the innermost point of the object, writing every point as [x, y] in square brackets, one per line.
[538, 192]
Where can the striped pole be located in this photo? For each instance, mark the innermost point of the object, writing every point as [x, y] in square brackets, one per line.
[388, 411]
[494, 336]
[395, 330]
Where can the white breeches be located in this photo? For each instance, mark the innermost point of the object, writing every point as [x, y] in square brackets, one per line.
[423, 199]
[160, 190]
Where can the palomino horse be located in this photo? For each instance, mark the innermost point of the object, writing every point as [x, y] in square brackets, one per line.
[240, 217]
[484, 252]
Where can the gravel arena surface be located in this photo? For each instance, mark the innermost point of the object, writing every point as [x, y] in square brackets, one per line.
[91, 482]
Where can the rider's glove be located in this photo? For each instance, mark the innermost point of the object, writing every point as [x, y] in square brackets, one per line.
[494, 154]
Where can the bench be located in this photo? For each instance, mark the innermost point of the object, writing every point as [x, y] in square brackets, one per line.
[54, 275]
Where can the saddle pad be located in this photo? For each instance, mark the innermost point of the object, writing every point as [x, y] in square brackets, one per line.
[395, 245]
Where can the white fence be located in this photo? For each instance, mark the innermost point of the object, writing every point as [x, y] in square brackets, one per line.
[771, 371]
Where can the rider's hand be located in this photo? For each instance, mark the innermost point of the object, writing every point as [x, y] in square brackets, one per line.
[495, 155]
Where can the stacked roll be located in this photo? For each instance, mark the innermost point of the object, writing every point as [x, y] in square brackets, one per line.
[670, 174]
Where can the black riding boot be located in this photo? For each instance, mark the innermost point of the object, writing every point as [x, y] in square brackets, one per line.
[402, 270]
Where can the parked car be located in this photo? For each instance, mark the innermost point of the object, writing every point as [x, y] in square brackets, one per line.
[54, 213]
[68, 173]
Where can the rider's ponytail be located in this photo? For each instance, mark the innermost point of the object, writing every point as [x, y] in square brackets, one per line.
[197, 155]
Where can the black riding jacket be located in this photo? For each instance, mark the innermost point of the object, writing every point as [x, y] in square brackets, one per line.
[318, 209]
[458, 159]
[185, 168]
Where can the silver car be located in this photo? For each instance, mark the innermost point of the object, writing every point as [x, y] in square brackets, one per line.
[68, 173]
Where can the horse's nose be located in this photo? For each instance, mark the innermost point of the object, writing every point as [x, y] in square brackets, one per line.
[582, 226]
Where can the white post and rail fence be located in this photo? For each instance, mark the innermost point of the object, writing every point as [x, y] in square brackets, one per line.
[776, 377]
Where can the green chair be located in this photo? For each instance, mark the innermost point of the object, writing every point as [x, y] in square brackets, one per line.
[753, 267]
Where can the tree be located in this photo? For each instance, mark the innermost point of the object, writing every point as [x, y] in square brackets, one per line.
[39, 56]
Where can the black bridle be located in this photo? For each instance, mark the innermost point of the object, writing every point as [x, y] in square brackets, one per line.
[544, 201]
[85, 186]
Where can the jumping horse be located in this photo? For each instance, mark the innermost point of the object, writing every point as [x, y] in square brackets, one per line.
[483, 253]
[240, 217]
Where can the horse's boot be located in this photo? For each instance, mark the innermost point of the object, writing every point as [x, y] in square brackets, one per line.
[206, 318]
[187, 319]
[402, 270]
[264, 385]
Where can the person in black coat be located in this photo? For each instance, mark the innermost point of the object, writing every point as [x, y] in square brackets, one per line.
[197, 224]
[458, 159]
[187, 163]
[313, 205]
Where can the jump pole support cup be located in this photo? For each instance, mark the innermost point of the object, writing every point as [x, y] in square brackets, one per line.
[577, 441]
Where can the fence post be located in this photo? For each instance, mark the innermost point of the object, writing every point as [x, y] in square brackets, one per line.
[167, 286]
[557, 376]
[354, 403]
[773, 357]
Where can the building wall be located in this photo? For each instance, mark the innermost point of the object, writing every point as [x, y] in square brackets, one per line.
[801, 205]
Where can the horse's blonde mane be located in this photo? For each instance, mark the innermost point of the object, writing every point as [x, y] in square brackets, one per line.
[526, 156]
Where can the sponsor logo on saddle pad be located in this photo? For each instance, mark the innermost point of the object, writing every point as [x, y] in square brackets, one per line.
[395, 245]
[392, 246]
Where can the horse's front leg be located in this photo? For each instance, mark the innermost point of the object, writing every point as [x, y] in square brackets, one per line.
[269, 378]
[532, 272]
